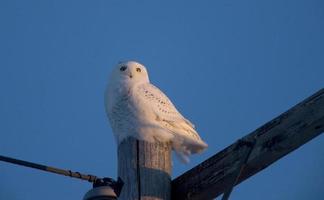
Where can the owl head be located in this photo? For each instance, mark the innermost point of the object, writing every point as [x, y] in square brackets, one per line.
[129, 73]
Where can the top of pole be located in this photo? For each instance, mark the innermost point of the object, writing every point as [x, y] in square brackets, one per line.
[145, 168]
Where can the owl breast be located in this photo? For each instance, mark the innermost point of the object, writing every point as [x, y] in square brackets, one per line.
[122, 117]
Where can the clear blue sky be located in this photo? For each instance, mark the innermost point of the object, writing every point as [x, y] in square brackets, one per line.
[228, 65]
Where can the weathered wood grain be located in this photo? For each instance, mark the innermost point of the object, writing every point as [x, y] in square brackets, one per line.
[273, 140]
[145, 169]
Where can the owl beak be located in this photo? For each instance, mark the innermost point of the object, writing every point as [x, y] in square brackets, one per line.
[130, 75]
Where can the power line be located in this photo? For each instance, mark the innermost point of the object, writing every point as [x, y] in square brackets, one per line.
[90, 178]
[97, 182]
[250, 146]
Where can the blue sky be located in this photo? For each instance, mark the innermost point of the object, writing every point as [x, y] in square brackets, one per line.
[228, 65]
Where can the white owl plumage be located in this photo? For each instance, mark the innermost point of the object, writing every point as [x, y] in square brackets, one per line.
[137, 108]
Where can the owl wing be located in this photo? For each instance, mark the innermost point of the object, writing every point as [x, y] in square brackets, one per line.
[186, 140]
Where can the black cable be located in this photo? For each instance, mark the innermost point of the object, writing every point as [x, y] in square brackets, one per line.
[97, 182]
[90, 178]
[249, 148]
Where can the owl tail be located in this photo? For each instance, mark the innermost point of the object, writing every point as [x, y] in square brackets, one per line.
[182, 157]
[184, 147]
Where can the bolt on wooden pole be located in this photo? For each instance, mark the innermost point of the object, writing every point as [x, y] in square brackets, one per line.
[145, 169]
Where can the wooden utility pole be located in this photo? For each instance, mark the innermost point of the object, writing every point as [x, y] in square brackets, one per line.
[145, 169]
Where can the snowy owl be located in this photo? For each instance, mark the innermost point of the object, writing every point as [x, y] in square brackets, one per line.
[137, 108]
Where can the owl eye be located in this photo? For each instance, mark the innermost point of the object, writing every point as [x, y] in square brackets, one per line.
[138, 69]
[123, 68]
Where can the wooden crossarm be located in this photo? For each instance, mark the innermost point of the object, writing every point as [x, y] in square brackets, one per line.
[273, 140]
